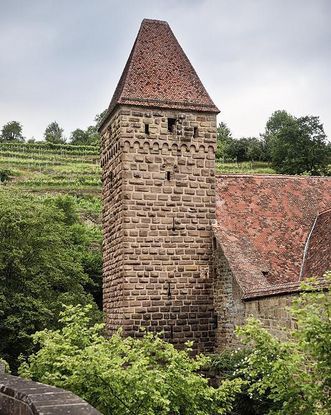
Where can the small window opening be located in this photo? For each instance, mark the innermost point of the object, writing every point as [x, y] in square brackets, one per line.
[195, 132]
[171, 124]
[265, 273]
[168, 175]
[169, 290]
[171, 332]
[147, 129]
[173, 225]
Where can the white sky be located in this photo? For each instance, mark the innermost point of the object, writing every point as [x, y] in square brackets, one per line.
[61, 59]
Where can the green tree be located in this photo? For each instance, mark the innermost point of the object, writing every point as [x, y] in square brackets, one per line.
[125, 376]
[78, 137]
[255, 149]
[295, 375]
[90, 136]
[42, 265]
[296, 145]
[278, 120]
[99, 117]
[243, 149]
[12, 131]
[224, 138]
[54, 134]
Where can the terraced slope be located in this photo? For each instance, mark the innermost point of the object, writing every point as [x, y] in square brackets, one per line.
[42, 167]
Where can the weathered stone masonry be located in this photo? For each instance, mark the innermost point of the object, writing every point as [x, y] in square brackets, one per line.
[161, 199]
[232, 311]
[159, 194]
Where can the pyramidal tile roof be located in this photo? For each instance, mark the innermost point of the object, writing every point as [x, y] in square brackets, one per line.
[159, 74]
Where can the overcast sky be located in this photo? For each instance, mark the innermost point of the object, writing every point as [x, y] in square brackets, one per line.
[61, 59]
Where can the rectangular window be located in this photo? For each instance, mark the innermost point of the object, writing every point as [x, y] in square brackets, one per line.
[171, 124]
[147, 129]
[195, 132]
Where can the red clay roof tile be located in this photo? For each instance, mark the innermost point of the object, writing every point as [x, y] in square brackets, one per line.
[159, 74]
[262, 226]
[317, 256]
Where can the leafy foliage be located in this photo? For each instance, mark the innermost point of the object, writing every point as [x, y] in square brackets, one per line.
[4, 175]
[297, 145]
[90, 136]
[99, 117]
[119, 375]
[54, 133]
[224, 137]
[226, 365]
[47, 257]
[295, 374]
[12, 131]
[239, 150]
[293, 145]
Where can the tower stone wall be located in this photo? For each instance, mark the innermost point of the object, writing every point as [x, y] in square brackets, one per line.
[159, 204]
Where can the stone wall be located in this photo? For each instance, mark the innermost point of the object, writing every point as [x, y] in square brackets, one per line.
[273, 313]
[23, 397]
[113, 222]
[159, 195]
[231, 311]
[229, 308]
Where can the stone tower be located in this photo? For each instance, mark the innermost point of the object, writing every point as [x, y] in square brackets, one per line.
[158, 152]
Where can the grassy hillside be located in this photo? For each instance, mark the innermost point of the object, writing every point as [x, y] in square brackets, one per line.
[43, 167]
[247, 167]
[56, 168]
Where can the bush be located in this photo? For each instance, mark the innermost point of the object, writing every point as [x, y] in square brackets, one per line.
[4, 176]
[295, 374]
[225, 366]
[47, 258]
[124, 376]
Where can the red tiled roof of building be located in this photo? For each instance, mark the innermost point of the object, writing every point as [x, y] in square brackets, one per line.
[262, 226]
[317, 256]
[159, 74]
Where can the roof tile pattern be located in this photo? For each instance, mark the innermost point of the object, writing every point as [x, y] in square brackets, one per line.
[317, 258]
[262, 225]
[159, 74]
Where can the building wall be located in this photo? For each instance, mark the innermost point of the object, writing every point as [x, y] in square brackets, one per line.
[229, 308]
[159, 204]
[273, 313]
[113, 220]
[231, 311]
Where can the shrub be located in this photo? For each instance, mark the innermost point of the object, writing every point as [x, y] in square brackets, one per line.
[124, 376]
[4, 175]
[295, 374]
[225, 365]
